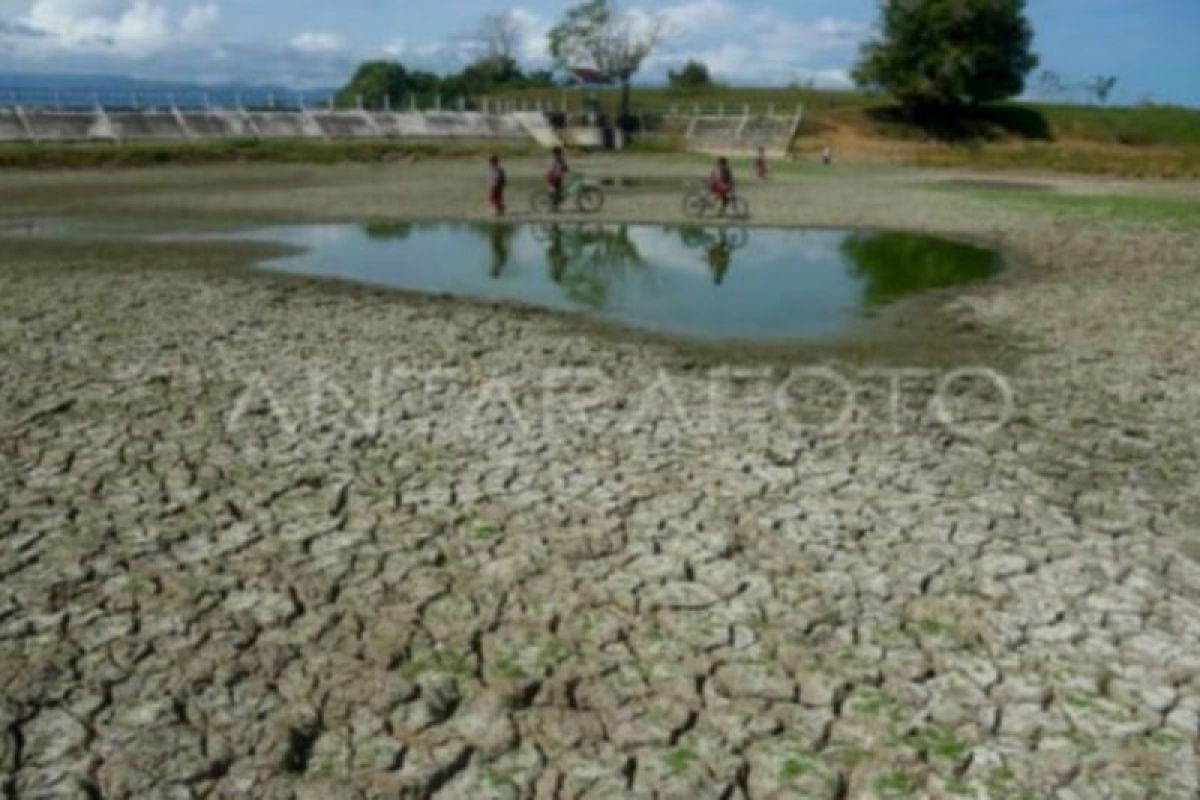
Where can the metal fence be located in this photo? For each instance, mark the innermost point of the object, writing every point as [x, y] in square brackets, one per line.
[568, 102]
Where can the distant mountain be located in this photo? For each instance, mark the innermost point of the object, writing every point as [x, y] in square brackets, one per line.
[74, 89]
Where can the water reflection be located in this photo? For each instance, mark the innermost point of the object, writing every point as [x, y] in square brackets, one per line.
[388, 231]
[586, 259]
[709, 282]
[893, 265]
[500, 241]
[717, 244]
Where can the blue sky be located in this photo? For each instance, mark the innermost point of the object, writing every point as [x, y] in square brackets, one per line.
[1151, 45]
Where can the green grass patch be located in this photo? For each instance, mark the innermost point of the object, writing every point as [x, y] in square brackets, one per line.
[1131, 208]
[797, 766]
[678, 761]
[484, 530]
[895, 785]
[875, 703]
[939, 743]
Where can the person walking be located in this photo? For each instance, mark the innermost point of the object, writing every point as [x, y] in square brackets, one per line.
[499, 182]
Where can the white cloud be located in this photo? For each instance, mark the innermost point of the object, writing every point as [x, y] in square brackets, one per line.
[315, 42]
[198, 20]
[771, 47]
[742, 41]
[132, 29]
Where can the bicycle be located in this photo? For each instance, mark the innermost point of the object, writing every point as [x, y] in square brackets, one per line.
[696, 237]
[703, 202]
[587, 197]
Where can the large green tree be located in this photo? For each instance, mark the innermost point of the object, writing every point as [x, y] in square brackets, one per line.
[375, 80]
[596, 35]
[694, 75]
[947, 54]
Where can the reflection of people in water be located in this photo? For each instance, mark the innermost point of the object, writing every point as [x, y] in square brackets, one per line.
[556, 255]
[499, 237]
[719, 256]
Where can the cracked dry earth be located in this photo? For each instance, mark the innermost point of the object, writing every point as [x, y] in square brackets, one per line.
[263, 537]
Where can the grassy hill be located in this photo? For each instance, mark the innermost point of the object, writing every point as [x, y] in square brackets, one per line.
[1162, 141]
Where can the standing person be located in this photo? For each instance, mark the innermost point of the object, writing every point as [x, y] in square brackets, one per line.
[760, 164]
[557, 176]
[499, 183]
[721, 183]
[827, 156]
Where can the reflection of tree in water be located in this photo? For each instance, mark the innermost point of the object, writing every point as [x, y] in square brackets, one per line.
[585, 260]
[893, 265]
[394, 231]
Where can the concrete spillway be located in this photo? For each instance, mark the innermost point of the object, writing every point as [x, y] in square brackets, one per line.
[711, 134]
[129, 125]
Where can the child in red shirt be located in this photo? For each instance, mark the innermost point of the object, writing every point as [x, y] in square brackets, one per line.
[498, 184]
[760, 165]
[721, 183]
[557, 176]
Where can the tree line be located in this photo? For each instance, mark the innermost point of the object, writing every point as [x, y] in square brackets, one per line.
[940, 57]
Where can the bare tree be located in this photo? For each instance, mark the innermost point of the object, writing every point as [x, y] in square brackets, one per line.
[1101, 87]
[599, 36]
[1050, 85]
[500, 34]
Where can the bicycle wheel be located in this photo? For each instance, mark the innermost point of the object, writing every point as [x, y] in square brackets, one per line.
[590, 199]
[542, 202]
[737, 237]
[695, 203]
[738, 208]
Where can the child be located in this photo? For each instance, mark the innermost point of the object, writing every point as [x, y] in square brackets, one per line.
[721, 183]
[557, 176]
[498, 185]
[760, 165]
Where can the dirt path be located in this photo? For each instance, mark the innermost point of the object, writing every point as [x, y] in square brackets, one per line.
[266, 537]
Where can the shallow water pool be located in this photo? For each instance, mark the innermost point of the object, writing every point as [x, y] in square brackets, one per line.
[716, 283]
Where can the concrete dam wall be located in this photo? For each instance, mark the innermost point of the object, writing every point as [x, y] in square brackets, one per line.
[36, 125]
[732, 134]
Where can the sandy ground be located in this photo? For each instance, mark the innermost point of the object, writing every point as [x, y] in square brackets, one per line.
[268, 537]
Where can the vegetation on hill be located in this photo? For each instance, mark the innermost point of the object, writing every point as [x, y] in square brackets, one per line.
[377, 83]
[940, 57]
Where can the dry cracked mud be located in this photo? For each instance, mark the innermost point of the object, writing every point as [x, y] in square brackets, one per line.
[276, 538]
